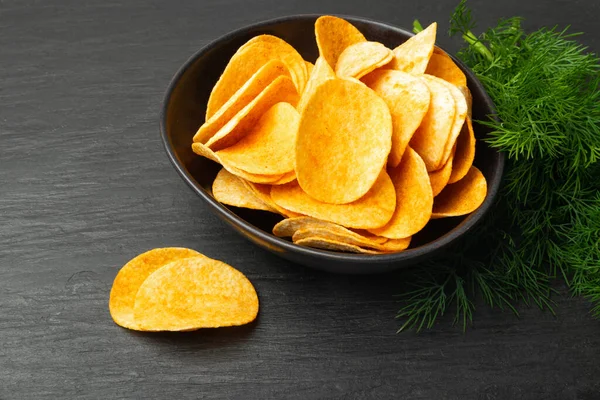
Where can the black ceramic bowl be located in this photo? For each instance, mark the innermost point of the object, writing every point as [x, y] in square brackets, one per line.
[184, 109]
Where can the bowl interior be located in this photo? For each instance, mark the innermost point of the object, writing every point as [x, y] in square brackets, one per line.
[185, 107]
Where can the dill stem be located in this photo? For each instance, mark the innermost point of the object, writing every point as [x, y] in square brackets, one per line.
[471, 39]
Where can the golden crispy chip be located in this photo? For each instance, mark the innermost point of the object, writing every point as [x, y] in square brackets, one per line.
[333, 36]
[430, 139]
[373, 210]
[462, 197]
[321, 72]
[250, 58]
[460, 115]
[343, 141]
[408, 100]
[133, 274]
[348, 237]
[280, 90]
[414, 198]
[442, 66]
[413, 55]
[309, 68]
[464, 154]
[229, 189]
[469, 98]
[278, 179]
[360, 58]
[268, 149]
[248, 92]
[195, 293]
[395, 245]
[287, 227]
[263, 192]
[439, 179]
[333, 245]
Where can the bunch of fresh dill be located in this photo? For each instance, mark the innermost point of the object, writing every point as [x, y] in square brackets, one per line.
[547, 222]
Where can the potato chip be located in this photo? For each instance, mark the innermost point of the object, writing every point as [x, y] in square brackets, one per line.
[348, 237]
[373, 210]
[360, 58]
[263, 192]
[321, 72]
[439, 179]
[464, 154]
[442, 66]
[462, 197]
[333, 36]
[413, 55]
[429, 140]
[408, 100]
[229, 189]
[459, 118]
[288, 227]
[278, 179]
[414, 198]
[133, 274]
[250, 58]
[248, 92]
[280, 90]
[344, 138]
[195, 293]
[333, 245]
[309, 68]
[268, 149]
[469, 98]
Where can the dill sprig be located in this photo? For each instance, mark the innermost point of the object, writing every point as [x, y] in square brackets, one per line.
[545, 86]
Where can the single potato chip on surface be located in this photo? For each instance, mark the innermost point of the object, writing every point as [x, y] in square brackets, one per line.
[321, 72]
[344, 138]
[281, 89]
[442, 66]
[133, 274]
[465, 152]
[278, 179]
[333, 36]
[413, 55]
[250, 58]
[195, 293]
[408, 100]
[373, 210]
[429, 140]
[462, 197]
[414, 198]
[439, 179]
[360, 58]
[248, 92]
[268, 148]
[229, 189]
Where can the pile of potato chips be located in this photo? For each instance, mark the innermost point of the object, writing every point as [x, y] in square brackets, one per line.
[358, 151]
[178, 289]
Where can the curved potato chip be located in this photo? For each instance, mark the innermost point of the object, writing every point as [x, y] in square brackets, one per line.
[462, 197]
[333, 245]
[360, 58]
[229, 189]
[373, 210]
[464, 153]
[414, 198]
[250, 58]
[333, 35]
[430, 138]
[278, 179]
[336, 160]
[133, 274]
[413, 55]
[439, 179]
[288, 226]
[268, 149]
[263, 192]
[244, 95]
[321, 72]
[280, 90]
[309, 68]
[195, 293]
[348, 237]
[460, 115]
[408, 100]
[442, 66]
[469, 98]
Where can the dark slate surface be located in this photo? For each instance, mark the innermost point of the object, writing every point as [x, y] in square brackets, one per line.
[85, 186]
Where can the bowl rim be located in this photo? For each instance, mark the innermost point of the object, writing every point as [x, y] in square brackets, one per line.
[467, 224]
